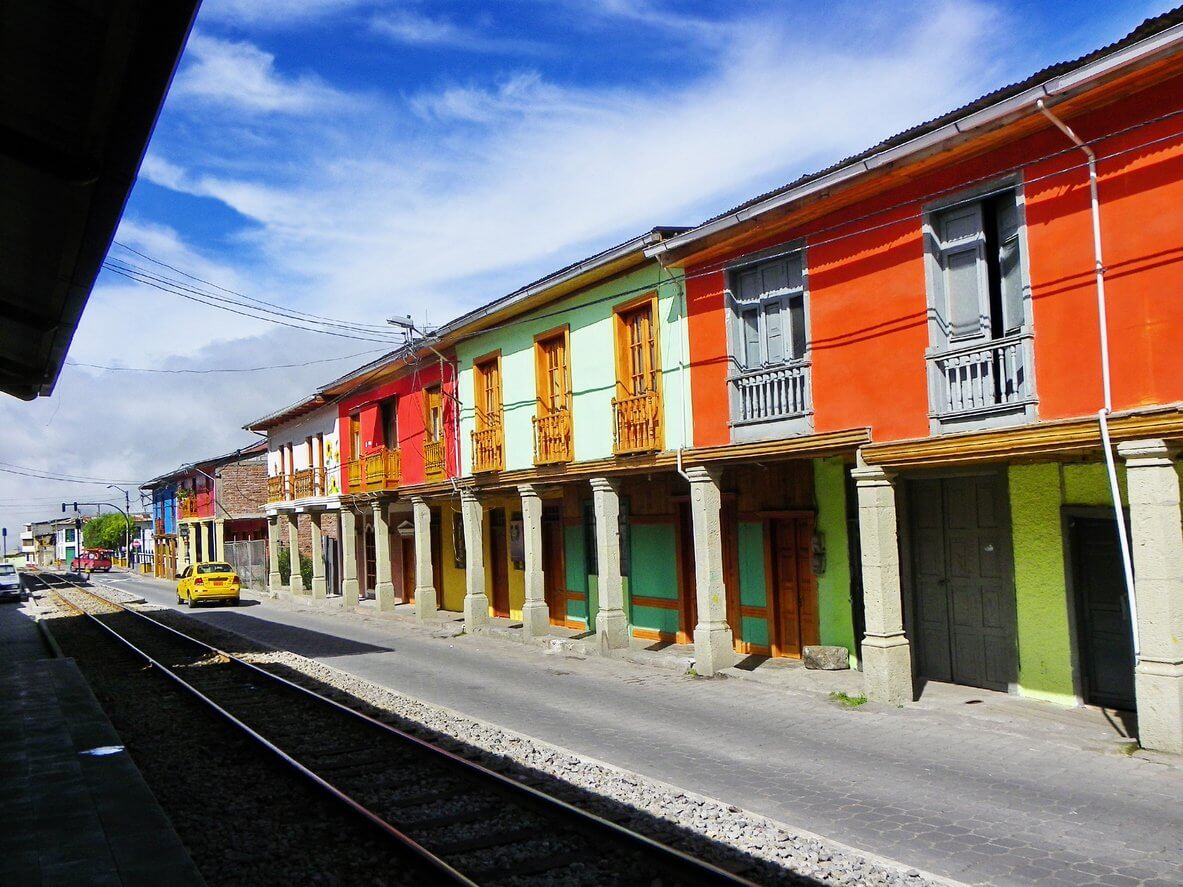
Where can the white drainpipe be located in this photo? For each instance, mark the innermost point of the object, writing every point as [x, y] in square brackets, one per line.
[1103, 413]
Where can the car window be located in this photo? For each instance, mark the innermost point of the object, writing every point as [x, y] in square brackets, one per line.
[216, 567]
[185, 572]
[7, 570]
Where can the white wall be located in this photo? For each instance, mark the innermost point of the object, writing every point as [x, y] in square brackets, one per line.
[322, 421]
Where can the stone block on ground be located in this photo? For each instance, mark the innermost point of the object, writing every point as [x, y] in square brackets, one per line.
[826, 658]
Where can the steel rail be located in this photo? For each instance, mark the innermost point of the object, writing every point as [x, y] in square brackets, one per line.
[420, 854]
[699, 871]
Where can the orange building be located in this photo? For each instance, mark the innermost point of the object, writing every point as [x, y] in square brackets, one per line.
[935, 303]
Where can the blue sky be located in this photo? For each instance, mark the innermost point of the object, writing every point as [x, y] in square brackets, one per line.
[362, 158]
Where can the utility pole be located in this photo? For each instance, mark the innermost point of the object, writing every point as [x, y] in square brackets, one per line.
[127, 527]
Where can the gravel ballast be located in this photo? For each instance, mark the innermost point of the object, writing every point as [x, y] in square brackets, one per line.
[765, 850]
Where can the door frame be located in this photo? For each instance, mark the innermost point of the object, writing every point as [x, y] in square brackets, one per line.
[1072, 600]
[907, 551]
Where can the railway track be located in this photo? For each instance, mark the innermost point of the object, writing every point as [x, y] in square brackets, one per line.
[459, 821]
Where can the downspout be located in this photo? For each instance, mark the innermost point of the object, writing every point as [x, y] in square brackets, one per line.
[1103, 413]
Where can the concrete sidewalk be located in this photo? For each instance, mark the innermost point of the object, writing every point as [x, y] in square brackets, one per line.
[977, 786]
[74, 807]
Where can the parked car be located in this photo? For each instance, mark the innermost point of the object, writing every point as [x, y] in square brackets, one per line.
[92, 560]
[208, 581]
[11, 586]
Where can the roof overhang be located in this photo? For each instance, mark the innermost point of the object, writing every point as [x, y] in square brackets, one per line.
[973, 124]
[81, 86]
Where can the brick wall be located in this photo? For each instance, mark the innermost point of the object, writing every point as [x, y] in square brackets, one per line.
[242, 487]
[328, 528]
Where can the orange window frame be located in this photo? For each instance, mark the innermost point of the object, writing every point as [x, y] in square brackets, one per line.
[433, 416]
[552, 370]
[486, 383]
[638, 354]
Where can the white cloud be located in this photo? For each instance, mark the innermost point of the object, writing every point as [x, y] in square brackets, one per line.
[410, 28]
[275, 13]
[240, 75]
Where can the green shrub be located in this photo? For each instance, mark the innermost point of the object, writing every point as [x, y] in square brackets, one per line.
[285, 567]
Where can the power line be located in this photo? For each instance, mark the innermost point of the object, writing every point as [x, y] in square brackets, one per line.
[216, 286]
[43, 474]
[277, 366]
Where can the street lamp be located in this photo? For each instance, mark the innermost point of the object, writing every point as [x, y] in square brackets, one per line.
[126, 526]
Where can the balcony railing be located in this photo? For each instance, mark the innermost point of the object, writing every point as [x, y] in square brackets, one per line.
[187, 507]
[488, 449]
[158, 525]
[552, 438]
[637, 426]
[373, 472]
[767, 394]
[434, 455]
[302, 483]
[277, 488]
[982, 378]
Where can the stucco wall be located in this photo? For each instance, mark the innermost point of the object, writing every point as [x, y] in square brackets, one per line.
[833, 588]
[593, 369]
[322, 421]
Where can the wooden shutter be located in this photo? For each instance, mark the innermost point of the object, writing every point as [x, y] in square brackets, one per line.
[774, 334]
[1009, 259]
[552, 376]
[963, 270]
[750, 336]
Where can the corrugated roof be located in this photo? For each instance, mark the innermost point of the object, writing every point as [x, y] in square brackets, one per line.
[1148, 28]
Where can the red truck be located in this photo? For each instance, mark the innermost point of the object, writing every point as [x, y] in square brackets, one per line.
[92, 560]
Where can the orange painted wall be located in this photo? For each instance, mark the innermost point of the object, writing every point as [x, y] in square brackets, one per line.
[867, 283]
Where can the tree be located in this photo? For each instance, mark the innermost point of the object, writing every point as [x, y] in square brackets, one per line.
[106, 531]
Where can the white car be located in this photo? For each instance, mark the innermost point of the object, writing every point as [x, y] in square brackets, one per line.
[11, 587]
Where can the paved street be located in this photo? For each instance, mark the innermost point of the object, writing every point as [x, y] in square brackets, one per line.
[995, 797]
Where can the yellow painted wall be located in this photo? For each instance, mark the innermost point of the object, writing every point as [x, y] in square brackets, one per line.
[451, 586]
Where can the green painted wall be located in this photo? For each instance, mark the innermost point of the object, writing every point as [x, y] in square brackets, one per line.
[576, 577]
[654, 575]
[833, 588]
[593, 367]
[1037, 495]
[755, 631]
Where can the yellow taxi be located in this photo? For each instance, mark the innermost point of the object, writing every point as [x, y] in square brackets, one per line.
[208, 581]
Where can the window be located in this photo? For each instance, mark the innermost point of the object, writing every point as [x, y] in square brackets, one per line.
[978, 281]
[69, 535]
[637, 350]
[389, 408]
[768, 303]
[355, 436]
[554, 377]
[487, 382]
[434, 420]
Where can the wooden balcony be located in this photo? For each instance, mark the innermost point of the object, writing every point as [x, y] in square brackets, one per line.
[982, 378]
[187, 508]
[158, 526]
[488, 449]
[302, 483]
[637, 425]
[434, 459]
[374, 472]
[553, 438]
[277, 488]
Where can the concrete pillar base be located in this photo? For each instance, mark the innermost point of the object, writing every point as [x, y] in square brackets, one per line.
[476, 612]
[350, 593]
[887, 669]
[611, 630]
[320, 588]
[713, 648]
[274, 584]
[426, 606]
[1159, 690]
[384, 594]
[535, 619]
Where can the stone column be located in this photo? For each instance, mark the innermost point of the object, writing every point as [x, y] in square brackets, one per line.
[274, 580]
[1156, 525]
[383, 582]
[194, 548]
[296, 579]
[535, 612]
[182, 549]
[611, 623]
[220, 540]
[886, 653]
[713, 642]
[350, 587]
[319, 589]
[426, 599]
[476, 602]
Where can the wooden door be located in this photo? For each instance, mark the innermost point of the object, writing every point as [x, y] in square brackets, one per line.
[1104, 633]
[369, 575]
[408, 546]
[554, 565]
[794, 589]
[962, 578]
[499, 561]
[687, 575]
